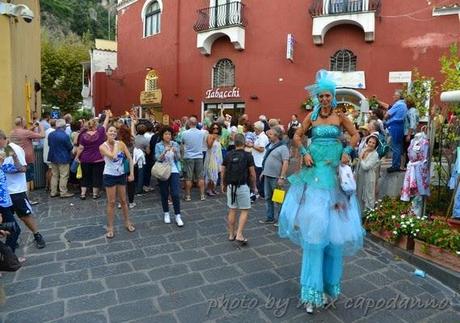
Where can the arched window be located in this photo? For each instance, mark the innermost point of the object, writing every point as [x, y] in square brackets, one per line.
[224, 73]
[152, 19]
[343, 61]
[151, 81]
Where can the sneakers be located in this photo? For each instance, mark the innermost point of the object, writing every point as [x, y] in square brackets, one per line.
[187, 198]
[132, 205]
[66, 195]
[167, 218]
[119, 206]
[266, 221]
[39, 241]
[203, 198]
[179, 222]
[309, 307]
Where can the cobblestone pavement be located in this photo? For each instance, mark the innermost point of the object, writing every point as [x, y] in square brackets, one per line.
[162, 273]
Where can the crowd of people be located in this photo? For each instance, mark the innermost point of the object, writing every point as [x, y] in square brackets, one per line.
[220, 154]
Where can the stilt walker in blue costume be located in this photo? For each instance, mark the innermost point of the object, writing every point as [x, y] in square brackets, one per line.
[316, 213]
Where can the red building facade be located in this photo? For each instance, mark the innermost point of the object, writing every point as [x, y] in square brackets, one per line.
[234, 54]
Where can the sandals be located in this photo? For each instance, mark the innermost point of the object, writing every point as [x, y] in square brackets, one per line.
[96, 196]
[82, 197]
[187, 198]
[231, 237]
[109, 234]
[130, 227]
[242, 242]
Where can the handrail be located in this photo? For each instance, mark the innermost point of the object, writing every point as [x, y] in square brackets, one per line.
[221, 16]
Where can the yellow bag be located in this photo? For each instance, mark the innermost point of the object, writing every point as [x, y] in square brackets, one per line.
[79, 174]
[278, 195]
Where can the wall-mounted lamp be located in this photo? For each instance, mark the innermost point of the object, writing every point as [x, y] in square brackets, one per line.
[17, 10]
[109, 72]
[190, 99]
[254, 97]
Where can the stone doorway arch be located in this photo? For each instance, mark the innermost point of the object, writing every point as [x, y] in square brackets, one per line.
[353, 98]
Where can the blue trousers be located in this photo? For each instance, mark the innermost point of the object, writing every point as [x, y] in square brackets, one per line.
[322, 269]
[397, 141]
[170, 187]
[269, 186]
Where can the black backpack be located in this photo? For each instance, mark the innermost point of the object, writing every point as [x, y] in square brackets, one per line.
[236, 172]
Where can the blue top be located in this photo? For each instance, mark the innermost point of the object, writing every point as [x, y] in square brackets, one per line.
[5, 199]
[326, 151]
[411, 121]
[193, 143]
[60, 147]
[160, 148]
[397, 114]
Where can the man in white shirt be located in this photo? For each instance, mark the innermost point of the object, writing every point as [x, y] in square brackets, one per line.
[14, 167]
[258, 153]
[46, 149]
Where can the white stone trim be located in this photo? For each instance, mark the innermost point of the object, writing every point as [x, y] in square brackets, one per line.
[144, 9]
[204, 40]
[121, 4]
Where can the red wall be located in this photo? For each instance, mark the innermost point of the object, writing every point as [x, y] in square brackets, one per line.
[401, 43]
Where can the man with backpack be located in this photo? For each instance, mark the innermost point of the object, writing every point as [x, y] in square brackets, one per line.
[238, 173]
[275, 166]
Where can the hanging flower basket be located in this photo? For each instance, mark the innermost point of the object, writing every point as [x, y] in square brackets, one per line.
[437, 255]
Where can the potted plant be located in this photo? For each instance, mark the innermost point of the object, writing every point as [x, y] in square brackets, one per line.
[439, 243]
[392, 220]
[307, 104]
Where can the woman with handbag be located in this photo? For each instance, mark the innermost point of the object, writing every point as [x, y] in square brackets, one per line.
[316, 213]
[167, 171]
[114, 178]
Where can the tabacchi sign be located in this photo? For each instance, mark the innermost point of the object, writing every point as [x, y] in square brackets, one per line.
[218, 93]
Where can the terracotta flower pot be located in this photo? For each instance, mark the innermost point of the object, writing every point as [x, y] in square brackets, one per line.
[437, 255]
[454, 223]
[404, 242]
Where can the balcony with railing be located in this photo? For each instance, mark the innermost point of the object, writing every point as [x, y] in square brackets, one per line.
[329, 13]
[222, 20]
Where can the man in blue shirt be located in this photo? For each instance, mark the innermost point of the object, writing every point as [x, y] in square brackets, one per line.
[395, 116]
[60, 156]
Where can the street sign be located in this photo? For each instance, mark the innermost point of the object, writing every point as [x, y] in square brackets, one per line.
[400, 77]
[290, 47]
[151, 97]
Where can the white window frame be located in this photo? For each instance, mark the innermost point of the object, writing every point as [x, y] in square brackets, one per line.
[143, 13]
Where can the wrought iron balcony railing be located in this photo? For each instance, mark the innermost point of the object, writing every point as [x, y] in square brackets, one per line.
[226, 15]
[338, 7]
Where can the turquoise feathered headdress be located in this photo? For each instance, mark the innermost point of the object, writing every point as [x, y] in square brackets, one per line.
[324, 83]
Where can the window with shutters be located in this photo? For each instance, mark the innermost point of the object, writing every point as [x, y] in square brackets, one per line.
[343, 61]
[224, 74]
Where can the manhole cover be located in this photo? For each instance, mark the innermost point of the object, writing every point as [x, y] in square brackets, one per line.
[85, 233]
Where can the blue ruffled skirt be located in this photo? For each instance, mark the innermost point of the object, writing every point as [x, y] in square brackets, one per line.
[326, 223]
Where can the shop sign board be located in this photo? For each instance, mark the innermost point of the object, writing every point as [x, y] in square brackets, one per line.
[352, 80]
[218, 93]
[151, 97]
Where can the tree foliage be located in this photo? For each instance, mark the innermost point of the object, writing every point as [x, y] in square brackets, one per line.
[422, 90]
[62, 70]
[79, 17]
[450, 68]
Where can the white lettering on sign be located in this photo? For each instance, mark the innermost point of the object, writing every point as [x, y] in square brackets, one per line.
[217, 93]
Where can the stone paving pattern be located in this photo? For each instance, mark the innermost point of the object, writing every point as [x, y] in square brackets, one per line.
[162, 273]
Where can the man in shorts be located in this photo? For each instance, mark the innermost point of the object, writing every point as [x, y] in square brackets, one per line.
[193, 139]
[238, 173]
[14, 166]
